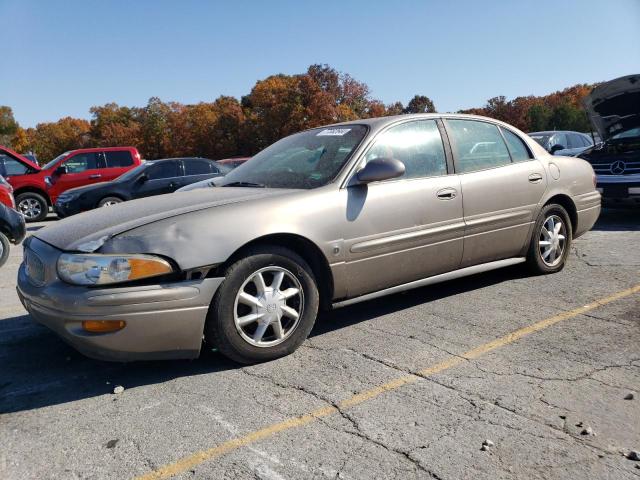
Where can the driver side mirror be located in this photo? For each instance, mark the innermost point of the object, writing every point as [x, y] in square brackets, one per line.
[61, 170]
[556, 147]
[380, 169]
[143, 178]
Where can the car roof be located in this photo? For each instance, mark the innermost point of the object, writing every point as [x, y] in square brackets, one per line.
[551, 132]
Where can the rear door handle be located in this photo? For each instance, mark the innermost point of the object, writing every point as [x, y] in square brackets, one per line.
[535, 178]
[95, 175]
[447, 194]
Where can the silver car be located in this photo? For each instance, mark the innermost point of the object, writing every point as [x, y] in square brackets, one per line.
[324, 218]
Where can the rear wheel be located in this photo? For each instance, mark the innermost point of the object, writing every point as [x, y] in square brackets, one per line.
[265, 308]
[109, 201]
[551, 240]
[33, 206]
[4, 248]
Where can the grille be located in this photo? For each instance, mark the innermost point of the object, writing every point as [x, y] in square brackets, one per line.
[34, 267]
[615, 167]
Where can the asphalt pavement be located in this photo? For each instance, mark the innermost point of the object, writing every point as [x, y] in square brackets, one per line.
[501, 375]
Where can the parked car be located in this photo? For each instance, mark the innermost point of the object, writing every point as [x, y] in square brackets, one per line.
[35, 188]
[12, 230]
[208, 183]
[564, 142]
[233, 162]
[6, 193]
[150, 178]
[614, 110]
[327, 217]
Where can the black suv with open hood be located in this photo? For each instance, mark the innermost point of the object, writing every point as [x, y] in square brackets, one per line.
[614, 110]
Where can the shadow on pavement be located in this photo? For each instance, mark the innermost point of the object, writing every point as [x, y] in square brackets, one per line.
[40, 370]
[619, 219]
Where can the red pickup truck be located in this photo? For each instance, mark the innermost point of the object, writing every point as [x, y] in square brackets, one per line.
[36, 188]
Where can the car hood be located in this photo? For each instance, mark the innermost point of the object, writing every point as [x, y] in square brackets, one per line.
[85, 188]
[88, 231]
[615, 106]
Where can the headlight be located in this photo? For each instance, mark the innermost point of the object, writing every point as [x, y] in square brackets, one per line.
[80, 269]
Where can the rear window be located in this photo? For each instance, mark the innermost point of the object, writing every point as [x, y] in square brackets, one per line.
[197, 167]
[119, 159]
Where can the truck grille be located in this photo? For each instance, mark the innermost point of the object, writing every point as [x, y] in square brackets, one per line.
[616, 167]
[34, 268]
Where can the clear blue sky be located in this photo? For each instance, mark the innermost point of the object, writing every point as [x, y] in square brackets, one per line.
[61, 57]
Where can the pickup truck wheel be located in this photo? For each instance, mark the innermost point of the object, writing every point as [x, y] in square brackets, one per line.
[109, 202]
[265, 308]
[33, 206]
[4, 248]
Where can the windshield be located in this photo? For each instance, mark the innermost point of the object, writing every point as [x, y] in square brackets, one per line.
[631, 133]
[305, 160]
[54, 161]
[543, 140]
[134, 171]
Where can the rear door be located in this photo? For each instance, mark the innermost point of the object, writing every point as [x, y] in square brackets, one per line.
[400, 230]
[81, 169]
[161, 177]
[502, 185]
[116, 163]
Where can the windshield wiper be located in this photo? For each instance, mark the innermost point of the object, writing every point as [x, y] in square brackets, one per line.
[244, 184]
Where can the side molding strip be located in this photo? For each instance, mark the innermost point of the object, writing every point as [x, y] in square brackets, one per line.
[462, 272]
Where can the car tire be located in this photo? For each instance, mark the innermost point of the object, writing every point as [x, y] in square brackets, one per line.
[4, 249]
[109, 201]
[33, 206]
[548, 251]
[280, 332]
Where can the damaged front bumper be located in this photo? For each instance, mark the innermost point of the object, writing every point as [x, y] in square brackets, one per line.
[162, 321]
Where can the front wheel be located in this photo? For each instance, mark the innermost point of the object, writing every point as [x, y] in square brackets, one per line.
[550, 241]
[4, 249]
[265, 308]
[109, 202]
[33, 206]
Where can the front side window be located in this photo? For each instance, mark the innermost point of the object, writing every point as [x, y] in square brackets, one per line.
[416, 144]
[10, 166]
[197, 167]
[477, 145]
[305, 160]
[162, 170]
[81, 162]
[118, 159]
[518, 150]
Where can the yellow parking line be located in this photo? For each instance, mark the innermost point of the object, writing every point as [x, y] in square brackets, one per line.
[194, 459]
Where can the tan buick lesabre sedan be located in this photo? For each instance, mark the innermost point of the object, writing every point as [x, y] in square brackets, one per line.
[323, 218]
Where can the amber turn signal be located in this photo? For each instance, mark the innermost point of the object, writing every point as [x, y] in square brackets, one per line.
[103, 326]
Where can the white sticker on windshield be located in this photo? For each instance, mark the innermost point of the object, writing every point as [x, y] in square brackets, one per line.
[333, 132]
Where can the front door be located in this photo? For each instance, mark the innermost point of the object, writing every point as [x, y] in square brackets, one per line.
[161, 177]
[81, 169]
[408, 228]
[502, 185]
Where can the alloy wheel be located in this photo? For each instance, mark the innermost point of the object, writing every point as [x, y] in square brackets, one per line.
[268, 306]
[30, 208]
[552, 240]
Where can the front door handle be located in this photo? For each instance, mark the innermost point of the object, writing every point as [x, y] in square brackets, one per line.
[447, 194]
[535, 178]
[95, 175]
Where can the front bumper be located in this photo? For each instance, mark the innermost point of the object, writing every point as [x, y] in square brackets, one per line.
[65, 209]
[620, 189]
[163, 321]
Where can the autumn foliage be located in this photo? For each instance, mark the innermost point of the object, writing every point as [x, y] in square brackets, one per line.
[276, 106]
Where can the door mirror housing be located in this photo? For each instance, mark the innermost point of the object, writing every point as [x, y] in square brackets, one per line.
[556, 148]
[143, 178]
[61, 170]
[380, 169]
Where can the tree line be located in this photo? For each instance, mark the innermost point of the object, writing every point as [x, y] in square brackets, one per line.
[277, 106]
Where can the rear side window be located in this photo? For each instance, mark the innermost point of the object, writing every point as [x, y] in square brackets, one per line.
[518, 150]
[161, 170]
[477, 145]
[10, 166]
[586, 141]
[416, 144]
[558, 139]
[81, 162]
[197, 167]
[118, 159]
